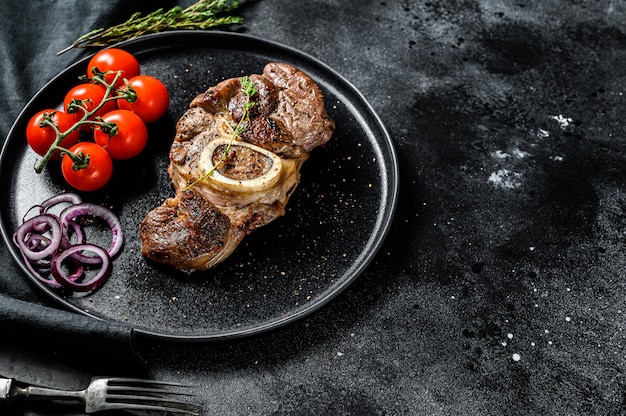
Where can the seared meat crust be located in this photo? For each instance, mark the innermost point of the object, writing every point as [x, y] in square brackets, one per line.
[188, 232]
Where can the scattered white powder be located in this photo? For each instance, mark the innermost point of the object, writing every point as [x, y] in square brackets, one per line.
[543, 134]
[516, 153]
[499, 154]
[520, 154]
[564, 122]
[506, 179]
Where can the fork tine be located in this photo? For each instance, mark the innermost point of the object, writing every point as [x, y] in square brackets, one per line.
[122, 401]
[147, 390]
[155, 408]
[124, 381]
[133, 398]
[142, 394]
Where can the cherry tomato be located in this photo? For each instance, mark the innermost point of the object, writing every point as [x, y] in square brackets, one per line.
[94, 176]
[152, 98]
[41, 138]
[114, 60]
[131, 136]
[89, 91]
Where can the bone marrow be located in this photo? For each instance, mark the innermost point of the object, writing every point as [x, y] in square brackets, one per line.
[240, 166]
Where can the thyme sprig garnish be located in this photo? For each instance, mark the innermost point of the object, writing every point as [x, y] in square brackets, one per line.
[249, 90]
[204, 14]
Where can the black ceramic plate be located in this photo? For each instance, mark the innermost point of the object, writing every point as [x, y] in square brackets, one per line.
[335, 221]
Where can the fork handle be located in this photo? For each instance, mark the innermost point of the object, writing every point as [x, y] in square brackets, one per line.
[32, 393]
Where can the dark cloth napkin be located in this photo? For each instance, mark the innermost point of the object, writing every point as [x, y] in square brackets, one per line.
[31, 33]
[94, 346]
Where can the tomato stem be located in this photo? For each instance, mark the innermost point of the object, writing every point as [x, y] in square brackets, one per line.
[82, 161]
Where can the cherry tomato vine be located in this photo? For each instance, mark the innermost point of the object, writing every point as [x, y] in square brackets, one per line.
[99, 107]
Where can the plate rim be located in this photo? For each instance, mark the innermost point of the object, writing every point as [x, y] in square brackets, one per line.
[377, 235]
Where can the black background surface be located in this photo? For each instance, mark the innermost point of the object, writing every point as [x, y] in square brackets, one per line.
[500, 289]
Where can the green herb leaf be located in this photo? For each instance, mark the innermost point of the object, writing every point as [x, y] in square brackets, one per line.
[204, 14]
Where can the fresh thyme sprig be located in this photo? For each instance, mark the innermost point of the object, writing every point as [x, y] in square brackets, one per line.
[249, 89]
[204, 14]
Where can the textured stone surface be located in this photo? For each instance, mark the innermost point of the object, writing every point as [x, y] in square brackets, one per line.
[501, 287]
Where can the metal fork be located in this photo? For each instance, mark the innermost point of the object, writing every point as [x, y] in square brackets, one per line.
[106, 393]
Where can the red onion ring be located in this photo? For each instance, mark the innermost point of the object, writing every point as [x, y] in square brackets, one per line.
[31, 268]
[32, 225]
[88, 209]
[78, 233]
[55, 200]
[37, 242]
[67, 197]
[71, 282]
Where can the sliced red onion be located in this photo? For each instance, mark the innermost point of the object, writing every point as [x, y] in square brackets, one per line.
[88, 209]
[78, 235]
[55, 200]
[35, 207]
[80, 269]
[66, 197]
[52, 246]
[72, 282]
[31, 265]
[33, 225]
[36, 242]
[78, 232]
